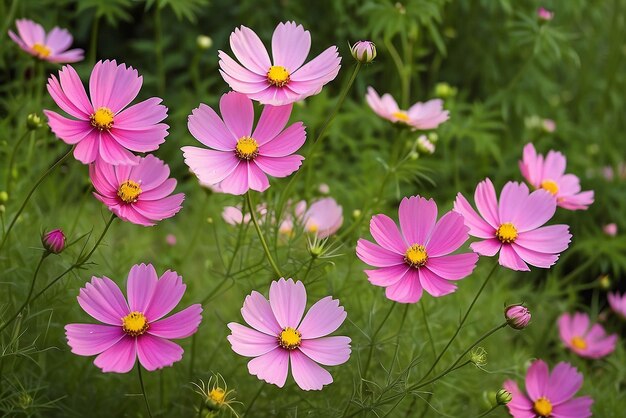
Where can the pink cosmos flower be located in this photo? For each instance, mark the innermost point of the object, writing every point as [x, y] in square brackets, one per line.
[421, 116]
[134, 329]
[581, 339]
[417, 257]
[548, 173]
[283, 80]
[52, 46]
[544, 14]
[137, 193]
[549, 394]
[53, 241]
[618, 303]
[233, 214]
[610, 229]
[280, 336]
[240, 159]
[549, 125]
[323, 218]
[513, 226]
[103, 128]
[171, 240]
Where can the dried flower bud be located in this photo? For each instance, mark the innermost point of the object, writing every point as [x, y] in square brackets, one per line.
[517, 316]
[503, 397]
[363, 51]
[54, 241]
[478, 356]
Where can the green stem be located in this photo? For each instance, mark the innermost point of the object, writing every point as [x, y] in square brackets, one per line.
[30, 193]
[308, 269]
[158, 39]
[12, 160]
[261, 237]
[93, 45]
[439, 376]
[373, 341]
[30, 293]
[484, 414]
[430, 335]
[143, 390]
[482, 287]
[484, 336]
[254, 398]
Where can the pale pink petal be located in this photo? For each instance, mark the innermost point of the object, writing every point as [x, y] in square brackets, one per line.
[31, 32]
[580, 201]
[112, 152]
[537, 378]
[534, 211]
[287, 300]
[207, 127]
[535, 258]
[323, 68]
[249, 50]
[277, 96]
[477, 225]
[142, 281]
[279, 166]
[434, 284]
[487, 247]
[531, 166]
[579, 324]
[103, 300]
[155, 353]
[238, 113]
[210, 166]
[547, 239]
[237, 182]
[271, 367]
[92, 339]
[180, 325]
[142, 115]
[253, 90]
[272, 122]
[387, 276]
[329, 351]
[448, 235]
[58, 40]
[487, 203]
[257, 312]
[119, 358]
[235, 71]
[554, 165]
[167, 294]
[257, 180]
[387, 235]
[453, 267]
[377, 256]
[417, 219]
[407, 290]
[510, 259]
[565, 328]
[73, 55]
[161, 209]
[113, 86]
[308, 374]
[323, 318]
[290, 45]
[249, 342]
[150, 172]
[286, 143]
[513, 197]
[19, 42]
[376, 104]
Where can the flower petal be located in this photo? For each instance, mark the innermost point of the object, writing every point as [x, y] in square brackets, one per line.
[387, 276]
[286, 143]
[103, 300]
[537, 380]
[287, 300]
[180, 325]
[249, 342]
[564, 382]
[238, 113]
[477, 225]
[271, 367]
[510, 259]
[257, 312]
[155, 353]
[377, 256]
[210, 166]
[323, 318]
[453, 267]
[329, 351]
[272, 122]
[417, 219]
[487, 203]
[308, 374]
[92, 339]
[249, 50]
[119, 358]
[407, 290]
[435, 285]
[142, 281]
[168, 292]
[448, 235]
[290, 45]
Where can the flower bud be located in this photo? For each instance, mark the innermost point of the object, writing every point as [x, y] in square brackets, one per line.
[548, 125]
[517, 316]
[4, 196]
[170, 239]
[356, 214]
[424, 145]
[605, 281]
[478, 356]
[204, 42]
[609, 229]
[34, 122]
[323, 188]
[445, 90]
[545, 14]
[363, 51]
[503, 397]
[53, 241]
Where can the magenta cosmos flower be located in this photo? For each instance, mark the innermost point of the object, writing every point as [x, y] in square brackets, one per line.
[513, 226]
[279, 336]
[549, 394]
[548, 173]
[323, 218]
[137, 193]
[52, 46]
[54, 241]
[103, 128]
[421, 116]
[618, 303]
[240, 159]
[133, 329]
[419, 256]
[284, 79]
[586, 341]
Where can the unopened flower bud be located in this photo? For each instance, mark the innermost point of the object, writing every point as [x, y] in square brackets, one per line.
[53, 241]
[503, 397]
[414, 155]
[323, 188]
[433, 137]
[34, 122]
[424, 145]
[609, 229]
[204, 42]
[545, 14]
[4, 196]
[445, 90]
[605, 281]
[170, 239]
[363, 51]
[517, 316]
[209, 220]
[549, 125]
[356, 213]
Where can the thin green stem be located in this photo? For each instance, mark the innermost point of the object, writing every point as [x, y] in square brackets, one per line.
[30, 193]
[484, 336]
[12, 160]
[254, 398]
[439, 376]
[484, 414]
[158, 39]
[482, 287]
[430, 335]
[143, 390]
[308, 269]
[93, 45]
[261, 237]
[373, 341]
[30, 293]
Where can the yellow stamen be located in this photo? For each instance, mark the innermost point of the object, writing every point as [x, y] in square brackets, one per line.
[312, 228]
[217, 395]
[401, 116]
[129, 191]
[507, 233]
[135, 324]
[550, 186]
[416, 256]
[579, 342]
[543, 407]
[289, 338]
[247, 148]
[278, 75]
[102, 119]
[41, 50]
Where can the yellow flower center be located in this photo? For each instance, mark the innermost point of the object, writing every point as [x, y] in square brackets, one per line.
[41, 50]
[550, 186]
[129, 191]
[401, 116]
[217, 395]
[507, 233]
[102, 119]
[135, 324]
[289, 338]
[312, 228]
[278, 75]
[543, 407]
[247, 148]
[579, 342]
[416, 256]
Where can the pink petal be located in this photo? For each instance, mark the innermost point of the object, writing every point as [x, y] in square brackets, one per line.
[155, 353]
[142, 281]
[323, 68]
[150, 172]
[487, 203]
[387, 235]
[210, 166]
[453, 267]
[548, 239]
[86, 150]
[387, 276]
[279, 166]
[92, 339]
[287, 300]
[487, 247]
[537, 380]
[113, 86]
[435, 285]
[535, 258]
[377, 256]
[448, 235]
[75, 91]
[534, 211]
[237, 182]
[257, 312]
[157, 210]
[574, 408]
[564, 382]
[236, 71]
[477, 226]
[159, 192]
[377, 105]
[142, 115]
[519, 401]
[70, 101]
[510, 259]
[112, 152]
[277, 96]
[257, 180]
[323, 318]
[290, 45]
[579, 324]
[308, 374]
[554, 165]
[531, 166]
[286, 143]
[565, 329]
[417, 219]
[514, 195]
[207, 127]
[580, 201]
[272, 121]
[329, 351]
[168, 292]
[271, 367]
[31, 32]
[73, 55]
[180, 325]
[252, 89]
[407, 290]
[249, 342]
[249, 50]
[238, 113]
[119, 358]
[71, 131]
[103, 300]
[58, 39]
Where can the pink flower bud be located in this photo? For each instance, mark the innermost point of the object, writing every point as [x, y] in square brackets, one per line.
[610, 229]
[170, 239]
[544, 14]
[363, 51]
[517, 316]
[53, 241]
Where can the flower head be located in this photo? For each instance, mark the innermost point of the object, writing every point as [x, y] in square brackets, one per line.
[134, 329]
[610, 229]
[517, 316]
[104, 128]
[284, 79]
[323, 218]
[233, 215]
[548, 173]
[139, 193]
[363, 51]
[280, 336]
[513, 225]
[544, 14]
[216, 396]
[549, 394]
[54, 241]
[503, 397]
[52, 46]
[238, 158]
[586, 341]
[418, 256]
[421, 116]
[617, 303]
